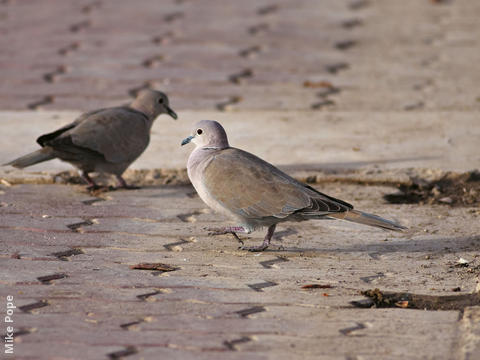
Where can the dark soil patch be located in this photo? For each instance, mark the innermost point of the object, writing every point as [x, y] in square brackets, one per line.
[451, 189]
[140, 177]
[379, 299]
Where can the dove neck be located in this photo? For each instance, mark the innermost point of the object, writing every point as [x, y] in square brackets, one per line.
[215, 143]
[149, 111]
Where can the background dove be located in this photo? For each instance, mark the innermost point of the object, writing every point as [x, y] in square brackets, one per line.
[255, 193]
[106, 140]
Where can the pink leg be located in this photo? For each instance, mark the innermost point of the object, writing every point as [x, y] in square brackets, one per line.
[91, 184]
[266, 240]
[227, 230]
[123, 184]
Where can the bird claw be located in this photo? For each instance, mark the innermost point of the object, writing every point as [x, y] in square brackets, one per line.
[93, 187]
[98, 189]
[123, 184]
[214, 231]
[129, 187]
[254, 248]
[222, 231]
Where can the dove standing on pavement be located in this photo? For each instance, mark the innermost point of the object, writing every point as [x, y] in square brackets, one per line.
[106, 140]
[255, 193]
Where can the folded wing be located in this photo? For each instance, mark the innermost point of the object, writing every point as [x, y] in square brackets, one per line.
[253, 188]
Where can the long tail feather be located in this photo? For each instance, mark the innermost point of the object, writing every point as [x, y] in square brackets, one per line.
[361, 217]
[33, 158]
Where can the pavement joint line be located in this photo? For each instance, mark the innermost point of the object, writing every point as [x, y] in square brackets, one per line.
[46, 100]
[359, 4]
[369, 279]
[268, 9]
[240, 77]
[250, 311]
[47, 279]
[21, 332]
[127, 326]
[34, 306]
[347, 331]
[52, 76]
[127, 351]
[250, 51]
[336, 67]
[352, 23]
[190, 216]
[67, 254]
[172, 246]
[144, 297]
[173, 16]
[232, 344]
[259, 28]
[80, 26]
[164, 38]
[77, 227]
[68, 49]
[321, 104]
[269, 264]
[228, 104]
[87, 9]
[345, 44]
[93, 201]
[153, 61]
[260, 286]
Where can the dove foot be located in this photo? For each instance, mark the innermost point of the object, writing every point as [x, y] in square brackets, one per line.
[227, 230]
[259, 248]
[129, 187]
[266, 241]
[92, 185]
[123, 184]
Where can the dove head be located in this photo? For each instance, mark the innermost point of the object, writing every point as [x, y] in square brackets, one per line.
[208, 134]
[152, 103]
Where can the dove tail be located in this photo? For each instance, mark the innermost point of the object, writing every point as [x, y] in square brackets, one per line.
[361, 217]
[33, 158]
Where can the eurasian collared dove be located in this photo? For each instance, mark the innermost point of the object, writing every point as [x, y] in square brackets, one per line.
[255, 193]
[105, 140]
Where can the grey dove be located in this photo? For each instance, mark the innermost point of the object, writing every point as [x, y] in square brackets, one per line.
[256, 194]
[105, 140]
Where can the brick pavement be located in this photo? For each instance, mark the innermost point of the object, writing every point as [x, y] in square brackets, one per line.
[369, 55]
[66, 256]
[406, 69]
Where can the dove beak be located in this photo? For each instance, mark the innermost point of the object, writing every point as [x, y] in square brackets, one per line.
[172, 113]
[187, 140]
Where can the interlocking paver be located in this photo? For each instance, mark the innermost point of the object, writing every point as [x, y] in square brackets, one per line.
[399, 91]
[105, 52]
[210, 304]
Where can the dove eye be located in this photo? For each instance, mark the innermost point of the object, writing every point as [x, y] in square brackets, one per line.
[199, 132]
[160, 101]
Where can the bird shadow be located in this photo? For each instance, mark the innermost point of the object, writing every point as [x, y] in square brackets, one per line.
[440, 245]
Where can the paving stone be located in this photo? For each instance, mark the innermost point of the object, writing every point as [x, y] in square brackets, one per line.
[102, 47]
[375, 91]
[222, 300]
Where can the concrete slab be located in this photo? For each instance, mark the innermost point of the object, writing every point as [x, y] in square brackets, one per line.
[320, 142]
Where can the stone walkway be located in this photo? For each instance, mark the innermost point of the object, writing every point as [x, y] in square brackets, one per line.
[356, 97]
[237, 55]
[67, 260]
